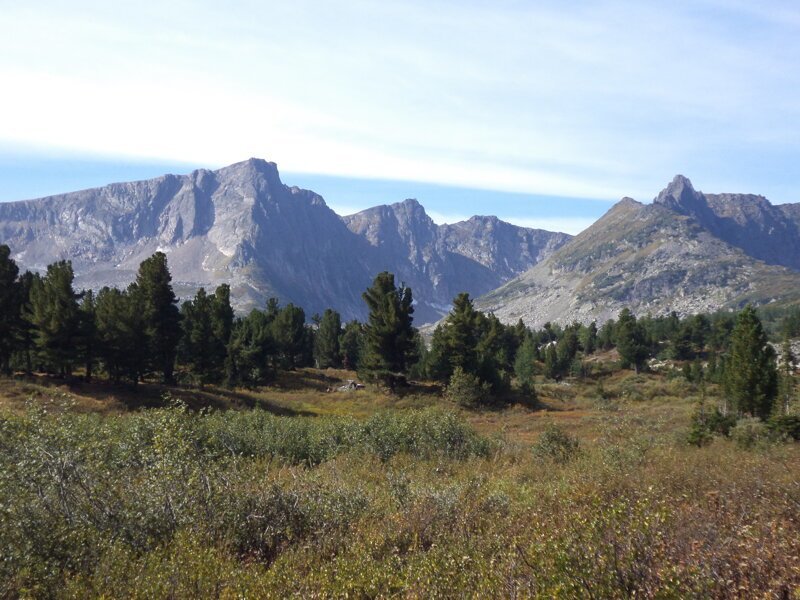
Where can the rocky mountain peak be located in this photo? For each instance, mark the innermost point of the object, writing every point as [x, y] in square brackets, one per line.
[681, 196]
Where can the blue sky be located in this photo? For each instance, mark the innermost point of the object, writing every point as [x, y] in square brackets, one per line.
[535, 111]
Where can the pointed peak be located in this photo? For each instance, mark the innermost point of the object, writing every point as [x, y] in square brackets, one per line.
[680, 196]
[680, 181]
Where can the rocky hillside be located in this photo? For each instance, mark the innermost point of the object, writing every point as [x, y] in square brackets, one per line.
[243, 226]
[686, 252]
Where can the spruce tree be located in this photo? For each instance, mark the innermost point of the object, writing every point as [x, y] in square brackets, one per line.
[327, 351]
[750, 372]
[9, 308]
[389, 343]
[55, 317]
[161, 315]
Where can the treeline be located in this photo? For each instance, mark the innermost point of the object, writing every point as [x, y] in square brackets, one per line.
[140, 331]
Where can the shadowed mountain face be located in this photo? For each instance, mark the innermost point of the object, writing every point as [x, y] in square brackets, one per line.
[687, 251]
[763, 231]
[241, 225]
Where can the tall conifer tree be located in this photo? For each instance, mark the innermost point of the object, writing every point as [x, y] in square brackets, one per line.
[751, 381]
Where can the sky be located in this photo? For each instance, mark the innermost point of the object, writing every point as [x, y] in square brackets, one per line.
[541, 112]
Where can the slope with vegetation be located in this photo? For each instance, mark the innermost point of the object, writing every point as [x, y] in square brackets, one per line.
[646, 457]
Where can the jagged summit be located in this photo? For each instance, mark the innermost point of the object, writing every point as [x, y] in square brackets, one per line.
[687, 251]
[242, 225]
[680, 195]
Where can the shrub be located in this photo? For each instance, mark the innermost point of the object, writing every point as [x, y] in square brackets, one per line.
[556, 444]
[466, 389]
[785, 427]
[749, 432]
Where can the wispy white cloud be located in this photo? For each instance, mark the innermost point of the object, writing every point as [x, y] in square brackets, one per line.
[603, 99]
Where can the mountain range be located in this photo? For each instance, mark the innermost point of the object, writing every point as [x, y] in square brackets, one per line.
[241, 225]
[686, 251]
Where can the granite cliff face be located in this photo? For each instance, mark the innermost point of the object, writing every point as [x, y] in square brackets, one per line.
[440, 261]
[687, 251]
[241, 225]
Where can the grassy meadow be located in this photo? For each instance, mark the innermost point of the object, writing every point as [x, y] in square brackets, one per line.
[291, 490]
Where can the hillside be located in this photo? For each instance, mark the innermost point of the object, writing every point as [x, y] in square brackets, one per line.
[686, 252]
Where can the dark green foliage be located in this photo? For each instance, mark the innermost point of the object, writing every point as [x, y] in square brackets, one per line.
[455, 341]
[785, 426]
[250, 349]
[54, 315]
[351, 344]
[751, 380]
[467, 389]
[10, 302]
[292, 339]
[120, 334]
[630, 340]
[478, 344]
[197, 342]
[389, 342]
[153, 293]
[87, 340]
[207, 322]
[588, 338]
[327, 350]
[525, 367]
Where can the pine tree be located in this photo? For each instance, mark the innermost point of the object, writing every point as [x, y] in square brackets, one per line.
[630, 341]
[250, 350]
[327, 351]
[455, 342]
[289, 333]
[351, 343]
[55, 317]
[750, 372]
[221, 325]
[588, 338]
[9, 308]
[551, 369]
[196, 347]
[88, 333]
[525, 368]
[161, 315]
[389, 344]
[121, 340]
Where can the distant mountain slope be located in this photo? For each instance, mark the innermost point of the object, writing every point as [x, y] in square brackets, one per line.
[686, 252]
[242, 225]
[439, 261]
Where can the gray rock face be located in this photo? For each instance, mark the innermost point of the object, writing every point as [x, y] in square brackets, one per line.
[687, 251]
[769, 233]
[241, 225]
[439, 262]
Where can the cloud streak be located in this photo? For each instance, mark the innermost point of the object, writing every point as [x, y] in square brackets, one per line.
[606, 99]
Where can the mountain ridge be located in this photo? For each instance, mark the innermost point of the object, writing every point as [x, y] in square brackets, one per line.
[686, 251]
[241, 225]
